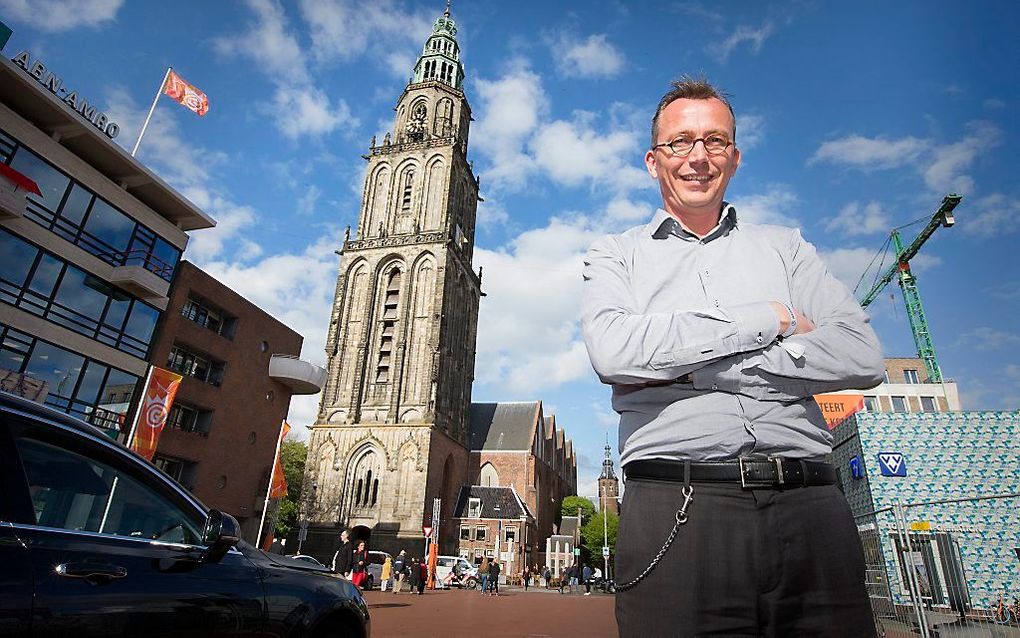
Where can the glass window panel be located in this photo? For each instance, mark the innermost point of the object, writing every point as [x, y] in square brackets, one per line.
[11, 360]
[52, 183]
[117, 311]
[91, 383]
[142, 321]
[78, 291]
[167, 254]
[899, 404]
[73, 491]
[118, 391]
[76, 205]
[57, 367]
[46, 274]
[110, 225]
[928, 404]
[16, 259]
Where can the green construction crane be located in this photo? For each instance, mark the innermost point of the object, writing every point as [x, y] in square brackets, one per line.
[908, 283]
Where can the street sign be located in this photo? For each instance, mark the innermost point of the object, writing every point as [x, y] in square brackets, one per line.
[856, 468]
[892, 464]
[427, 531]
[605, 551]
[577, 551]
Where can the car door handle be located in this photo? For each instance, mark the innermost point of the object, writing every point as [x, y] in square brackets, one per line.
[91, 570]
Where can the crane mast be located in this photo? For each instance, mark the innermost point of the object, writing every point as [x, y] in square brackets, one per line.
[908, 283]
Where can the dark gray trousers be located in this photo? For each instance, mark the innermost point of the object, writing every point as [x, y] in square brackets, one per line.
[769, 562]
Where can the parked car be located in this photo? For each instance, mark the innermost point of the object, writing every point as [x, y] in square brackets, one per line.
[469, 572]
[375, 563]
[95, 541]
[308, 559]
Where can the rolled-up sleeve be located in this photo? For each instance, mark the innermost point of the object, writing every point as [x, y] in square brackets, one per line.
[628, 347]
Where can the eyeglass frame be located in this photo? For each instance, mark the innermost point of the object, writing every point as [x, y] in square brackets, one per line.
[694, 143]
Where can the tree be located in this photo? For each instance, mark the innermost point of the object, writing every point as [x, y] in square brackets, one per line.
[292, 455]
[570, 505]
[592, 533]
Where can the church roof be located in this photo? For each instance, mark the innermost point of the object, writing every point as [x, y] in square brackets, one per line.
[497, 502]
[504, 426]
[568, 526]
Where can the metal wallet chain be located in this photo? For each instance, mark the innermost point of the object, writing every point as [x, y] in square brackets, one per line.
[681, 518]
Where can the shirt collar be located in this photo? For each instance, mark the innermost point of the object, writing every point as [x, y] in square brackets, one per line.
[663, 225]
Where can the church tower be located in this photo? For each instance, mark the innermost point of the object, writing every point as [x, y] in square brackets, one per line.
[609, 485]
[392, 428]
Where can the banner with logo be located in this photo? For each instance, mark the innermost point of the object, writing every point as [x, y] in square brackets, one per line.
[278, 484]
[185, 94]
[836, 407]
[153, 411]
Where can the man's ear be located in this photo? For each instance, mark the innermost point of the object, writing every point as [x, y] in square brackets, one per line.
[650, 164]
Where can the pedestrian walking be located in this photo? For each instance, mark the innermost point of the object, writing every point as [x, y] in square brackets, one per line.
[547, 577]
[387, 571]
[494, 578]
[587, 574]
[526, 578]
[575, 573]
[483, 573]
[563, 579]
[400, 571]
[343, 556]
[414, 574]
[423, 576]
[359, 566]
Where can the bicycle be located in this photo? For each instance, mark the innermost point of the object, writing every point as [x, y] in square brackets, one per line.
[1005, 614]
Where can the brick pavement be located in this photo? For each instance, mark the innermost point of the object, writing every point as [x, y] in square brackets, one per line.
[512, 613]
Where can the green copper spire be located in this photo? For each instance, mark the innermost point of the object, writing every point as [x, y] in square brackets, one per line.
[440, 58]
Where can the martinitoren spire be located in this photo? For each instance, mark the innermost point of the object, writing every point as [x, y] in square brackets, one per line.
[440, 58]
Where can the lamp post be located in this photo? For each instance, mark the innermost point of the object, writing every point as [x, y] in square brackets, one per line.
[605, 531]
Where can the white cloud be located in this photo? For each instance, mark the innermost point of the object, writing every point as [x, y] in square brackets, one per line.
[851, 265]
[993, 104]
[268, 42]
[855, 219]
[985, 338]
[230, 218]
[529, 336]
[509, 110]
[592, 57]
[574, 152]
[306, 203]
[309, 111]
[996, 215]
[491, 214]
[946, 173]
[754, 37]
[770, 207]
[345, 29]
[298, 107]
[628, 210]
[55, 16]
[750, 131]
[870, 153]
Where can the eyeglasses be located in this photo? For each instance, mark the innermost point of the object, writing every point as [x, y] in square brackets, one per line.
[683, 145]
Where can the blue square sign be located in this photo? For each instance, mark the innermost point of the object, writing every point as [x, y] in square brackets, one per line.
[892, 464]
[856, 467]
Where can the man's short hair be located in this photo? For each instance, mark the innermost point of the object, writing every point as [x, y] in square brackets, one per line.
[691, 88]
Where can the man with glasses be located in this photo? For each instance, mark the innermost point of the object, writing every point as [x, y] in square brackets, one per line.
[714, 334]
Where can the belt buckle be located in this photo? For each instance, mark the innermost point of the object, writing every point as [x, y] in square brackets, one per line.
[747, 483]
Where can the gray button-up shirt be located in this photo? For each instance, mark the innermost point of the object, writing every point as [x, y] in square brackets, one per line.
[683, 330]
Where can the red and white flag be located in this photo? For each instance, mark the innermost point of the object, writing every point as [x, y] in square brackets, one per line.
[278, 484]
[186, 94]
[153, 411]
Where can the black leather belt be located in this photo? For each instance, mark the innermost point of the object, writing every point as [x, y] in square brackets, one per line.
[750, 472]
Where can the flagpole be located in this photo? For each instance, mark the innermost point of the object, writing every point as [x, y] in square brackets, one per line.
[151, 109]
[269, 487]
[138, 413]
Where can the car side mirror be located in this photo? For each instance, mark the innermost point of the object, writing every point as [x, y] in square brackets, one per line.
[222, 532]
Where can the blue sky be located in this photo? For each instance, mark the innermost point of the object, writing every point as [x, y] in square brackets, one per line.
[853, 118]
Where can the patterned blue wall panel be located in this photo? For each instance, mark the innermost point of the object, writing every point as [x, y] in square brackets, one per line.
[954, 455]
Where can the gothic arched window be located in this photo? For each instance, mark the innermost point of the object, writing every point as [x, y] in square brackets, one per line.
[366, 492]
[405, 198]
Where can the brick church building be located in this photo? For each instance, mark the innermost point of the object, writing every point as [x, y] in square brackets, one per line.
[396, 429]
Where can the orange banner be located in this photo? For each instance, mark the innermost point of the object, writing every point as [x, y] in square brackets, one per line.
[279, 481]
[836, 407]
[153, 410]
